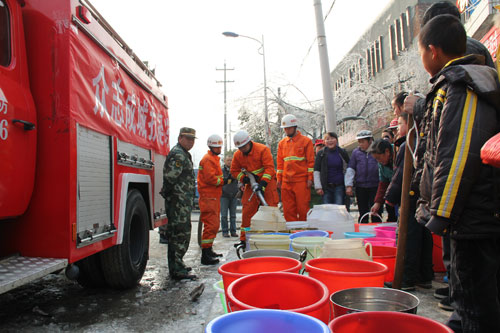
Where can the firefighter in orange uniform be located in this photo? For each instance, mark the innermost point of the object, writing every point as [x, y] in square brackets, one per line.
[295, 170]
[257, 159]
[210, 183]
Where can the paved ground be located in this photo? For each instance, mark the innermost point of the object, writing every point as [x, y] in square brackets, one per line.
[55, 304]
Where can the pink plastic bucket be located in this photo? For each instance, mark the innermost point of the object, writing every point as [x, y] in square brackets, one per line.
[385, 232]
[385, 322]
[381, 241]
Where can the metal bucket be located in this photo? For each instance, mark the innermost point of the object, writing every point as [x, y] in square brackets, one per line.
[373, 299]
[272, 253]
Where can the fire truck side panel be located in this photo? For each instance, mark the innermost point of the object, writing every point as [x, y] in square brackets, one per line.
[101, 119]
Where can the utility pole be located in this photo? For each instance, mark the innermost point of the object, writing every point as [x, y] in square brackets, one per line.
[225, 104]
[330, 116]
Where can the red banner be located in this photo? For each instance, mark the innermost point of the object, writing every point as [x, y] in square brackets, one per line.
[490, 40]
[110, 102]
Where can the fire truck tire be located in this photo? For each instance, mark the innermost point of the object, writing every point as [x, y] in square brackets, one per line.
[124, 265]
[91, 275]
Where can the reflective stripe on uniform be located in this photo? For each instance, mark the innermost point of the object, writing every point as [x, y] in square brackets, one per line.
[460, 157]
[310, 169]
[207, 241]
[279, 171]
[246, 229]
[256, 172]
[266, 176]
[241, 174]
[294, 158]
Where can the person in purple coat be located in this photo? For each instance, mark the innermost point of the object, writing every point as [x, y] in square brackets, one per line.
[362, 173]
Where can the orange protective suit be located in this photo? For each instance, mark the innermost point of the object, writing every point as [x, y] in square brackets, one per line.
[295, 168]
[258, 161]
[210, 183]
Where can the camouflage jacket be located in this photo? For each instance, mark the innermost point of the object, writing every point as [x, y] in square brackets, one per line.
[178, 176]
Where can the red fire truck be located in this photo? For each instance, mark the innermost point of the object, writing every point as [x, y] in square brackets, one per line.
[84, 133]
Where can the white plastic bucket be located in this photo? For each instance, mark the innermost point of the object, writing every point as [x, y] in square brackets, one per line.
[268, 241]
[219, 288]
[312, 245]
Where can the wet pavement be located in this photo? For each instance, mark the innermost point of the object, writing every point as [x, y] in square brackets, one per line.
[157, 304]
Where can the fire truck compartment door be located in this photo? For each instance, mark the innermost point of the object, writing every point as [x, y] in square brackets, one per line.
[17, 116]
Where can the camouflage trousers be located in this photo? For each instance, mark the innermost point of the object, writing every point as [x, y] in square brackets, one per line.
[178, 232]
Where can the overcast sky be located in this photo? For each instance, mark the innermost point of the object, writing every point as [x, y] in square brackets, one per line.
[184, 41]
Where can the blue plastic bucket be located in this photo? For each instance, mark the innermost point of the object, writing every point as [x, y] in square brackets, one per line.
[264, 320]
[358, 235]
[308, 233]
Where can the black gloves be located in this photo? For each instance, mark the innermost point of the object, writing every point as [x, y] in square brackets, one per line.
[262, 185]
[246, 180]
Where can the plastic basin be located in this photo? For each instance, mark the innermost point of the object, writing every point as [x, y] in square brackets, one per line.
[344, 273]
[233, 270]
[263, 320]
[358, 235]
[381, 241]
[365, 227]
[387, 232]
[385, 322]
[308, 233]
[313, 245]
[280, 291]
[386, 255]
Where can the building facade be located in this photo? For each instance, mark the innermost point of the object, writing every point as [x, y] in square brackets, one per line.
[385, 60]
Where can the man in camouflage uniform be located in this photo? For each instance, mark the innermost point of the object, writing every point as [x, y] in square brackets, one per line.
[179, 190]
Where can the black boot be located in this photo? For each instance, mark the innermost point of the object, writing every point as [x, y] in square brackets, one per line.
[214, 254]
[206, 257]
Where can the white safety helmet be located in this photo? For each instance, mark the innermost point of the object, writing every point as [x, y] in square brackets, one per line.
[214, 140]
[289, 120]
[241, 138]
[364, 134]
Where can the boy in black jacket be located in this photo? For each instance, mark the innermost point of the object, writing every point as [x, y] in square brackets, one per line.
[456, 188]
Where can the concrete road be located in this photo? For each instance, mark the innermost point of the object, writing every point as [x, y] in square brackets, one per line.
[55, 304]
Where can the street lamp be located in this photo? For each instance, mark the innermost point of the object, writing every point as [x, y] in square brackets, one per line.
[261, 43]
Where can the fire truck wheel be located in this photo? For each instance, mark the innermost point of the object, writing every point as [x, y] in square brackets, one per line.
[123, 265]
[91, 275]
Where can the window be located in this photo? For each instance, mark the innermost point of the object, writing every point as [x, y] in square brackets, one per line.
[399, 38]
[392, 42]
[379, 53]
[4, 34]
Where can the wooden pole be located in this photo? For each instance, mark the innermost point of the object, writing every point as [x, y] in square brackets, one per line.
[405, 208]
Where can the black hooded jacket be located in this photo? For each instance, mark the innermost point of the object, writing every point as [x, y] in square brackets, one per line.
[461, 115]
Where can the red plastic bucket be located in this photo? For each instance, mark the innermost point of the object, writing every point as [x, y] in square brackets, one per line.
[387, 232]
[385, 255]
[344, 273]
[233, 270]
[385, 322]
[380, 241]
[279, 290]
